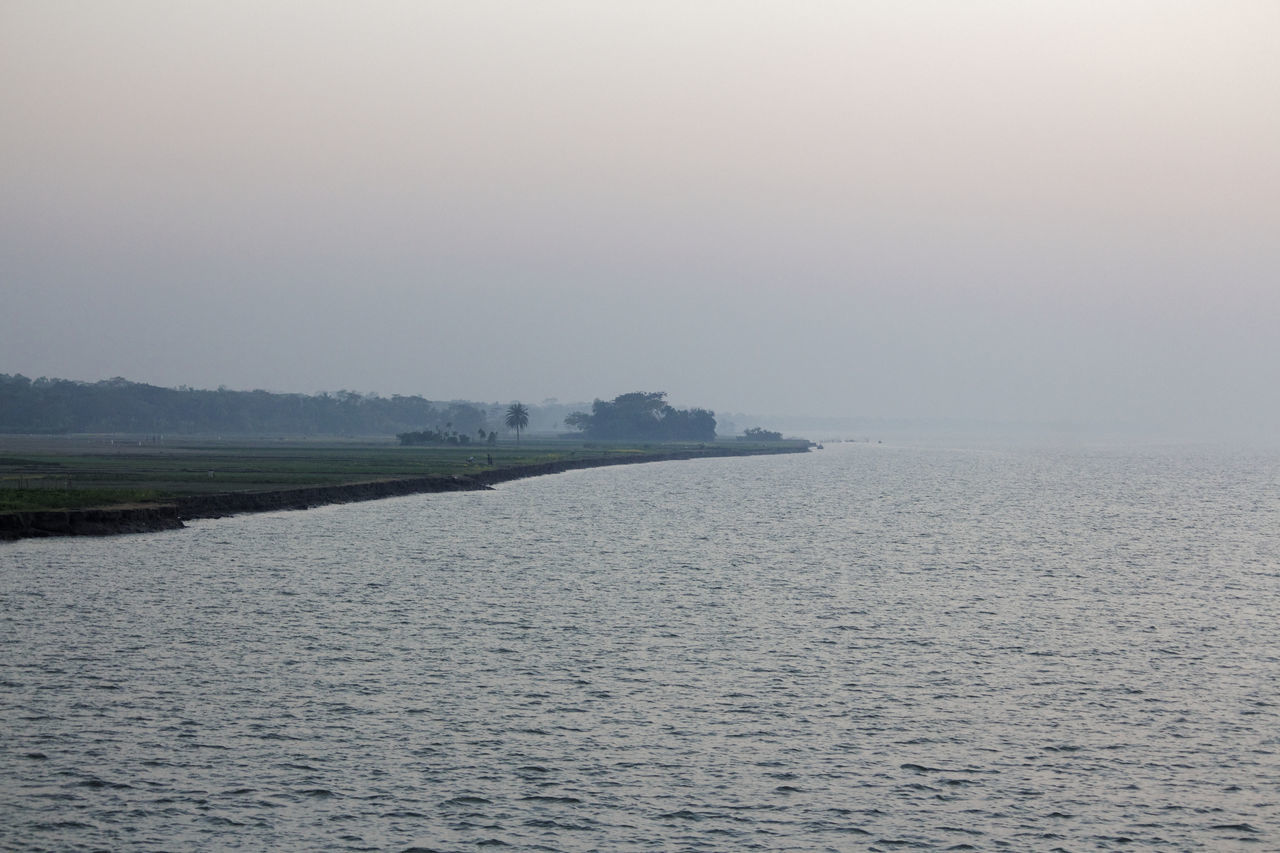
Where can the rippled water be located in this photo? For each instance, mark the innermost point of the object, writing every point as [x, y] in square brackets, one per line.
[867, 647]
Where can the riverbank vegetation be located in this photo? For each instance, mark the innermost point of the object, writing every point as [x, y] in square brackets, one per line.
[68, 445]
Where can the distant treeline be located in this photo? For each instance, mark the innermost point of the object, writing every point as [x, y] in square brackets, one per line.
[117, 405]
[644, 415]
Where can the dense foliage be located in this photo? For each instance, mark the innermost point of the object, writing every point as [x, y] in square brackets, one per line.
[440, 436]
[760, 434]
[117, 405]
[644, 415]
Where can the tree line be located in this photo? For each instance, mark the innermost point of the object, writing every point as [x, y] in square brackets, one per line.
[53, 406]
[56, 406]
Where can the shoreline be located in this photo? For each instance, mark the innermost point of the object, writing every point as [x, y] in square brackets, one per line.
[149, 518]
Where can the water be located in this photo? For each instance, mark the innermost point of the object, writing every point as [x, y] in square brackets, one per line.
[868, 647]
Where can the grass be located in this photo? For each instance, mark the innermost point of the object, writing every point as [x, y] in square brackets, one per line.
[29, 500]
[54, 473]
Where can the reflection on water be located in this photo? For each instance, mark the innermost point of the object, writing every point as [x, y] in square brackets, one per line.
[866, 647]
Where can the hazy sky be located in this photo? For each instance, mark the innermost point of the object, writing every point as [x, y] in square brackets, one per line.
[987, 209]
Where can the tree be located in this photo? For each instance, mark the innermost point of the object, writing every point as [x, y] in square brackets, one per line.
[760, 434]
[517, 418]
[644, 415]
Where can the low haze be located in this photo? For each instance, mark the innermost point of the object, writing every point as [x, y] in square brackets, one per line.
[1015, 211]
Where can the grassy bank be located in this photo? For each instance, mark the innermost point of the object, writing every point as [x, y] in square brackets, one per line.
[76, 472]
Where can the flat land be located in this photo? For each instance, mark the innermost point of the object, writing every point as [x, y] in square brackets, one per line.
[76, 472]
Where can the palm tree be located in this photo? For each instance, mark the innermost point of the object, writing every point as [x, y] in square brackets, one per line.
[517, 418]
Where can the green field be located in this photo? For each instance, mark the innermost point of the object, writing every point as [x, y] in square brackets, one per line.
[53, 473]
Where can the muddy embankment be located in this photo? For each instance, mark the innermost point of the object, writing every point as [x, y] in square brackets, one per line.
[108, 521]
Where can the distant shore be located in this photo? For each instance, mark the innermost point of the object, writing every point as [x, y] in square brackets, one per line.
[145, 518]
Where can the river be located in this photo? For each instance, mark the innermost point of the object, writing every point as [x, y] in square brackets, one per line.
[879, 647]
